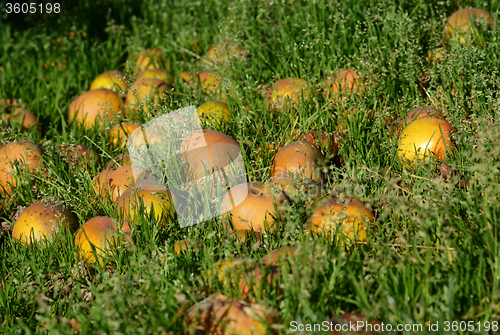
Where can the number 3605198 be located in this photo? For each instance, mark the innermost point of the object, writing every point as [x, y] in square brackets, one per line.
[32, 8]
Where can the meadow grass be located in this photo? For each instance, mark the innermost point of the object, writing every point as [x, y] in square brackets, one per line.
[432, 255]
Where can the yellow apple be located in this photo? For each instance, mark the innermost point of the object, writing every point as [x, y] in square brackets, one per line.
[215, 112]
[111, 80]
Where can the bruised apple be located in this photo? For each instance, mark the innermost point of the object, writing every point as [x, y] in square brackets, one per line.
[252, 206]
[336, 217]
[99, 179]
[118, 182]
[96, 106]
[301, 157]
[111, 80]
[24, 153]
[425, 137]
[96, 237]
[287, 92]
[222, 315]
[40, 220]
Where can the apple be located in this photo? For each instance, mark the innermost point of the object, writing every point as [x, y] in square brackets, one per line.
[156, 73]
[144, 92]
[215, 112]
[251, 206]
[221, 52]
[341, 217]
[222, 315]
[207, 151]
[40, 220]
[415, 114]
[117, 183]
[111, 80]
[79, 154]
[425, 137]
[465, 22]
[346, 83]
[23, 118]
[287, 92]
[100, 178]
[120, 160]
[25, 153]
[302, 187]
[278, 256]
[301, 157]
[152, 58]
[119, 133]
[96, 237]
[183, 246]
[153, 195]
[96, 106]
[213, 85]
[254, 284]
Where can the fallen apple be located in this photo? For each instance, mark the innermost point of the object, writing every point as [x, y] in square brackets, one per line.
[158, 74]
[40, 220]
[117, 183]
[302, 158]
[152, 58]
[80, 155]
[183, 246]
[465, 22]
[221, 52]
[254, 284]
[96, 237]
[152, 195]
[278, 256]
[25, 153]
[144, 93]
[100, 178]
[96, 106]
[111, 80]
[336, 217]
[425, 137]
[415, 114]
[221, 315]
[253, 206]
[286, 93]
[215, 112]
[345, 83]
[119, 133]
[24, 119]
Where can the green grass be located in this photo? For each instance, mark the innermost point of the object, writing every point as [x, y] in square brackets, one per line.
[432, 254]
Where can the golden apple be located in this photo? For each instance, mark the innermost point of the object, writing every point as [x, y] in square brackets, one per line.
[336, 217]
[40, 220]
[215, 112]
[251, 206]
[98, 235]
[425, 137]
[152, 195]
[111, 80]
